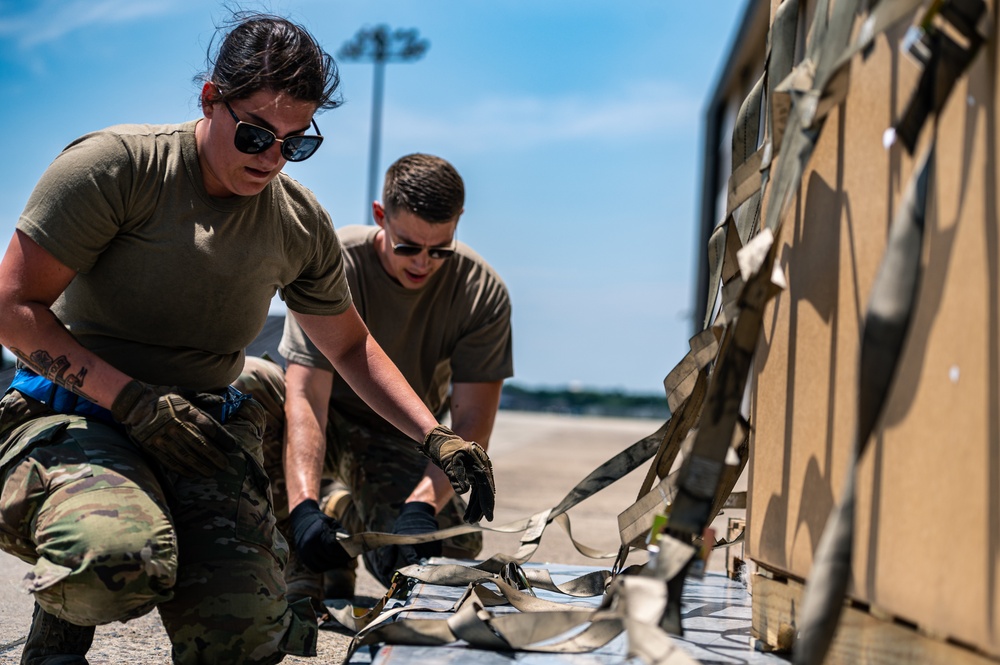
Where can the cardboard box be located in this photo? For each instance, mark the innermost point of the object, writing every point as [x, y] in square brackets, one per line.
[927, 539]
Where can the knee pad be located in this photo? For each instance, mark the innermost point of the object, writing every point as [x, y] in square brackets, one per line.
[104, 555]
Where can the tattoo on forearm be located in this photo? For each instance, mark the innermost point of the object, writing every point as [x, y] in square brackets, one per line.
[55, 370]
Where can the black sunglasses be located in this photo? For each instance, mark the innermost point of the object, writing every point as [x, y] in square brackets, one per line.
[406, 249]
[251, 139]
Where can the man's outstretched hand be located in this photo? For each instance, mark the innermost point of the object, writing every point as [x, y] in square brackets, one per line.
[467, 466]
[314, 535]
[414, 518]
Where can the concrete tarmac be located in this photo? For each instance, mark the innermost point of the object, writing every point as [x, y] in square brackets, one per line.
[537, 459]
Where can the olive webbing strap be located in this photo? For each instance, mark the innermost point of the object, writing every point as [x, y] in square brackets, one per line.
[731, 472]
[623, 463]
[702, 470]
[590, 584]
[816, 100]
[607, 473]
[756, 262]
[634, 605]
[887, 321]
[944, 61]
[781, 42]
[516, 593]
[449, 574]
[679, 383]
[587, 585]
[521, 600]
[805, 86]
[726, 238]
[819, 83]
[745, 194]
[750, 162]
[747, 158]
[635, 522]
[685, 386]
[744, 181]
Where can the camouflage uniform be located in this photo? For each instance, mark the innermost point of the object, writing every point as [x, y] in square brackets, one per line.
[379, 466]
[111, 535]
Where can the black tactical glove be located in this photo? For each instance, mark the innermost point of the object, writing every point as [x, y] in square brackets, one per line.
[467, 465]
[182, 437]
[414, 518]
[314, 535]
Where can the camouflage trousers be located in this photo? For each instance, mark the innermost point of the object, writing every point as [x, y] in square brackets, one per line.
[380, 467]
[111, 535]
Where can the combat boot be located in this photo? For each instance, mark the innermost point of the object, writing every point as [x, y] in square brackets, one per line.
[338, 583]
[53, 641]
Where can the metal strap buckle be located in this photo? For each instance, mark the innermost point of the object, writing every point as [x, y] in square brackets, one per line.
[514, 575]
[400, 586]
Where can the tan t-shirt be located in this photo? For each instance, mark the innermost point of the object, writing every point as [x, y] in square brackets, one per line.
[173, 283]
[454, 329]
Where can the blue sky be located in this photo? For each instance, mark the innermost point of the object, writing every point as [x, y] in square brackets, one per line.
[576, 125]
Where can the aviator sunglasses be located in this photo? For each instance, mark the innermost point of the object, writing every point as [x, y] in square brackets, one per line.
[406, 249]
[251, 139]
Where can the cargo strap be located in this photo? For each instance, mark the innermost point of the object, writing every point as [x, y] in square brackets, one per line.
[534, 526]
[750, 159]
[634, 604]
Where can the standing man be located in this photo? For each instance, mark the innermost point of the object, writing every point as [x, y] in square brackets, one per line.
[442, 314]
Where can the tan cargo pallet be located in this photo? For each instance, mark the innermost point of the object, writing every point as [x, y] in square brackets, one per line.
[864, 636]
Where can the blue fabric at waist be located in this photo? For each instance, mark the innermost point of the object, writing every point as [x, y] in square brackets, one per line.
[56, 397]
[65, 401]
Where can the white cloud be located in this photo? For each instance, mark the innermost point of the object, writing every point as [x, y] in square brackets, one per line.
[52, 19]
[648, 111]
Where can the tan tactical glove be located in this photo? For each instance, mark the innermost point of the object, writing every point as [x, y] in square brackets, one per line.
[182, 437]
[467, 465]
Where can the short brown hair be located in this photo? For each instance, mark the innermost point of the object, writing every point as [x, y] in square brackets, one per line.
[426, 185]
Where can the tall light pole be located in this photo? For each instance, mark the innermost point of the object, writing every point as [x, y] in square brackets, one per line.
[380, 46]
